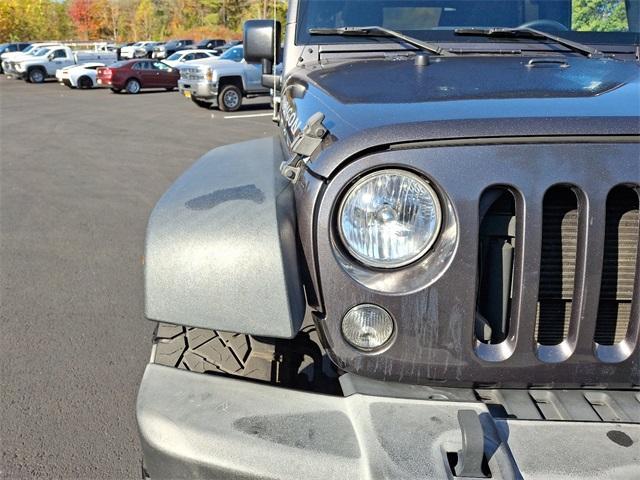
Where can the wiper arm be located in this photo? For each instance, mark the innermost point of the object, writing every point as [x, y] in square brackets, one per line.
[376, 31]
[531, 33]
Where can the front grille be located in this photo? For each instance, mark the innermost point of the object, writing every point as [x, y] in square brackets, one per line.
[564, 259]
[619, 266]
[534, 280]
[557, 265]
[191, 74]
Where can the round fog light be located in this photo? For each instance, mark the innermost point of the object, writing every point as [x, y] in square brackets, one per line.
[367, 327]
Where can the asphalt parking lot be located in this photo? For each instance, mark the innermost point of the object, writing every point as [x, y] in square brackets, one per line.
[80, 173]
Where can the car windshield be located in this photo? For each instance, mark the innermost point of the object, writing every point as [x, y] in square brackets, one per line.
[587, 21]
[234, 53]
[138, 44]
[41, 52]
[175, 56]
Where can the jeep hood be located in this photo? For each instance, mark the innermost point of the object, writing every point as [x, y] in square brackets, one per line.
[373, 102]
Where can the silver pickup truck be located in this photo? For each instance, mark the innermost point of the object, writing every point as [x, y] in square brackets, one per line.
[226, 80]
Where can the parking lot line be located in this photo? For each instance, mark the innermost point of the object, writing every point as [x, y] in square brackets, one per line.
[250, 115]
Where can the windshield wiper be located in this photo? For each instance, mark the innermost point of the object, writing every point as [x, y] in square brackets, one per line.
[376, 31]
[531, 33]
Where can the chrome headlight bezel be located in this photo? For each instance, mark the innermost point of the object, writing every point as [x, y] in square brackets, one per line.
[381, 264]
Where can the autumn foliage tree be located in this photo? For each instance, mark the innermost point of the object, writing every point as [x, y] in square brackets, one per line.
[85, 16]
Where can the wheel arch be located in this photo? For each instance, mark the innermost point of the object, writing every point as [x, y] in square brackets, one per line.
[236, 80]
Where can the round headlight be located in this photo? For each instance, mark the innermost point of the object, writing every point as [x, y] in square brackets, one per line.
[389, 218]
[367, 327]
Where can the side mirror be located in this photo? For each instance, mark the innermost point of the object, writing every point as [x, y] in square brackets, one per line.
[262, 45]
[50, 57]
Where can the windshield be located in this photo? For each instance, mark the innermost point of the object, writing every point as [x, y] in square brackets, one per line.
[234, 53]
[30, 49]
[41, 52]
[588, 21]
[175, 56]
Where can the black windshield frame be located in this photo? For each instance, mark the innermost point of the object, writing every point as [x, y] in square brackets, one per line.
[447, 35]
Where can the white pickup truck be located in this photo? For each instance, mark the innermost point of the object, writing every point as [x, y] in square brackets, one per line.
[45, 63]
[11, 59]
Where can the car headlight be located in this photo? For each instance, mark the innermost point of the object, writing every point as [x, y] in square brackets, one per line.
[389, 218]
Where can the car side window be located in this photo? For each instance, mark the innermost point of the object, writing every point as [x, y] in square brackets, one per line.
[141, 66]
[201, 55]
[161, 66]
[58, 54]
[189, 56]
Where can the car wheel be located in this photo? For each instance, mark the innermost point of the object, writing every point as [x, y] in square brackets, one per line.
[201, 103]
[230, 98]
[36, 75]
[133, 86]
[170, 89]
[85, 82]
[116, 90]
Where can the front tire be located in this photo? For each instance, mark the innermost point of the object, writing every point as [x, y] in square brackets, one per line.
[230, 98]
[297, 363]
[85, 82]
[115, 90]
[36, 75]
[133, 86]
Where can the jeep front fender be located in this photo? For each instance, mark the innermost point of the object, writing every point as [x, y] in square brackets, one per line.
[221, 246]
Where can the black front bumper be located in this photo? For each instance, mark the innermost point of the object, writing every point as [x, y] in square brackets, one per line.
[204, 426]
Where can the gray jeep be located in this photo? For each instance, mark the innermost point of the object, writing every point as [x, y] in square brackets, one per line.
[431, 272]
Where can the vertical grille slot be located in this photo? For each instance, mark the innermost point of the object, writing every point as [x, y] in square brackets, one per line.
[495, 264]
[622, 230]
[557, 265]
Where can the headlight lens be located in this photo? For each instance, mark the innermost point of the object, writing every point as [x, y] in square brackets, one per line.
[389, 218]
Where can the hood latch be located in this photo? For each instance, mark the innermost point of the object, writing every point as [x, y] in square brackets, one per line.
[303, 146]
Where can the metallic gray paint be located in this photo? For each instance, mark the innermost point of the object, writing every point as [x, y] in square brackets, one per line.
[221, 246]
[434, 341]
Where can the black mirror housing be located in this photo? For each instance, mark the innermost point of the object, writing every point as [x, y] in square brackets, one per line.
[262, 40]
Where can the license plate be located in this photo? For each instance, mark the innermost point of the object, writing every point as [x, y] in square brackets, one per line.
[187, 93]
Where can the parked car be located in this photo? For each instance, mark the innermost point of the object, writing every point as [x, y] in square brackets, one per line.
[79, 76]
[223, 48]
[167, 49]
[209, 43]
[226, 80]
[432, 272]
[10, 48]
[187, 55]
[138, 50]
[10, 59]
[46, 62]
[135, 75]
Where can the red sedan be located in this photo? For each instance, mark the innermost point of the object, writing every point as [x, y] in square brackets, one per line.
[134, 75]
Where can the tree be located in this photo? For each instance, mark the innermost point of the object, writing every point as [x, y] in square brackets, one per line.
[144, 20]
[80, 12]
[599, 15]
